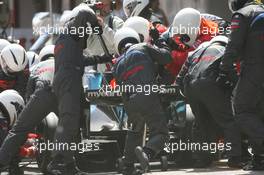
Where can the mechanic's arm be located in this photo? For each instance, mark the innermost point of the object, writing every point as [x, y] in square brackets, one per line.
[30, 89]
[183, 72]
[108, 32]
[236, 43]
[160, 55]
[21, 83]
[94, 60]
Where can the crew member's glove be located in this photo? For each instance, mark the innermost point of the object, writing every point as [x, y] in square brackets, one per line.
[106, 58]
[154, 34]
[93, 20]
[223, 80]
[227, 79]
[172, 44]
[42, 84]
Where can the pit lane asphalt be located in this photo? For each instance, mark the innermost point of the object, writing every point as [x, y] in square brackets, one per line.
[219, 168]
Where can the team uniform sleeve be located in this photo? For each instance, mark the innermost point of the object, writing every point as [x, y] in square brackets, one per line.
[239, 28]
[94, 60]
[30, 88]
[21, 83]
[160, 55]
[183, 72]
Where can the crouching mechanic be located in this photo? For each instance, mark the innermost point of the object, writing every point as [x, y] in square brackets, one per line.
[138, 66]
[209, 102]
[41, 101]
[11, 104]
[188, 31]
[13, 63]
[12, 76]
[67, 85]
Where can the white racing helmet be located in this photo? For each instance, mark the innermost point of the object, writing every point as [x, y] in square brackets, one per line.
[134, 7]
[123, 37]
[11, 104]
[33, 58]
[3, 43]
[81, 7]
[187, 22]
[68, 15]
[65, 17]
[235, 5]
[46, 52]
[13, 58]
[140, 25]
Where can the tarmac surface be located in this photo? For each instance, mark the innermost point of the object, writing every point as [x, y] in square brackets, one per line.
[219, 168]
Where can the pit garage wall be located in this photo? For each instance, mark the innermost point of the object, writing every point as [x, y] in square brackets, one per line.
[24, 12]
[217, 7]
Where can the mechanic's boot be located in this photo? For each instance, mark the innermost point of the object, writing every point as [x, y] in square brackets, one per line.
[256, 164]
[57, 168]
[236, 162]
[14, 168]
[143, 158]
[202, 163]
[245, 156]
[202, 159]
[3, 168]
[130, 169]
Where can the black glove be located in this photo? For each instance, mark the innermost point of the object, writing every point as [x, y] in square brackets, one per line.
[106, 58]
[222, 81]
[154, 33]
[92, 19]
[82, 18]
[226, 79]
[42, 84]
[172, 44]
